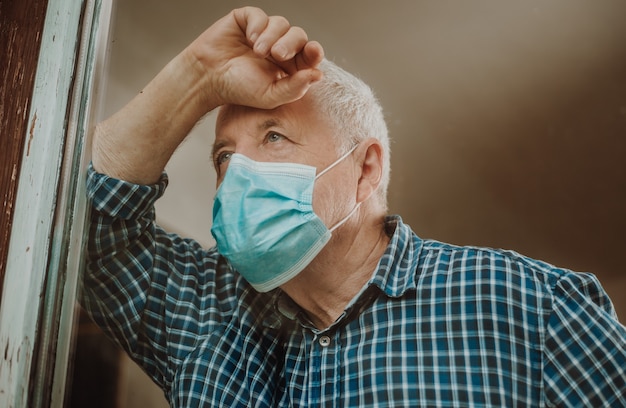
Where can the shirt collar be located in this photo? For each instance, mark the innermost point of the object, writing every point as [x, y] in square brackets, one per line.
[394, 275]
[396, 271]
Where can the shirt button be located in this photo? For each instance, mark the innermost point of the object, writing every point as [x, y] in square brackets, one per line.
[324, 341]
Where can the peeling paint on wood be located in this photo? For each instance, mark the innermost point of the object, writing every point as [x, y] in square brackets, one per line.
[31, 133]
[45, 206]
[20, 28]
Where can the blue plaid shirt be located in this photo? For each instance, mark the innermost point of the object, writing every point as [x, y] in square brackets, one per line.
[436, 326]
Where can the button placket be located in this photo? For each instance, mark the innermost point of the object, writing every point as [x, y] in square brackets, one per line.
[325, 367]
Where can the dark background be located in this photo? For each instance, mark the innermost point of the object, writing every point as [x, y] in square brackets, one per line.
[508, 119]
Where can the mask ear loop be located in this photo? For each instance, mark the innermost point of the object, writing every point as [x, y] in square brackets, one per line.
[339, 160]
[346, 218]
[356, 207]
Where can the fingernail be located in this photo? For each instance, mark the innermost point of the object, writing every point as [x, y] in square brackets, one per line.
[261, 48]
[280, 51]
[253, 37]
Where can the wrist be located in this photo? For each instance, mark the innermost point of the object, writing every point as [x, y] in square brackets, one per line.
[185, 83]
[199, 73]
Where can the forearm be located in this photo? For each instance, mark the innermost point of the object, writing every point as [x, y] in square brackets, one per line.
[136, 143]
[245, 58]
[137, 280]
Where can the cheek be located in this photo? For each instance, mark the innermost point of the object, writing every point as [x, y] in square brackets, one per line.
[321, 201]
[282, 151]
[333, 199]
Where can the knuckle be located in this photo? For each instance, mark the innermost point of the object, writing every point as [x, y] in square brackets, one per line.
[299, 31]
[280, 21]
[248, 9]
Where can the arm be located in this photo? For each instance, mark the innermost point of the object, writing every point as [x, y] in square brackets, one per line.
[276, 60]
[124, 280]
[585, 347]
[138, 277]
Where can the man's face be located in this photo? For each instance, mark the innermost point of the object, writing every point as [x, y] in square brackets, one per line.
[294, 133]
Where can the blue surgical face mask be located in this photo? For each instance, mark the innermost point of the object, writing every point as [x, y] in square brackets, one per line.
[263, 219]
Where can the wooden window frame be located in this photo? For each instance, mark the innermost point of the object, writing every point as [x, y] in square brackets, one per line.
[46, 195]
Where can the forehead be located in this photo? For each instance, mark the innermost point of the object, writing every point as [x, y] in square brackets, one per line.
[294, 116]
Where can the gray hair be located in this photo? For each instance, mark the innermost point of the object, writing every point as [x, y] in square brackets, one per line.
[354, 112]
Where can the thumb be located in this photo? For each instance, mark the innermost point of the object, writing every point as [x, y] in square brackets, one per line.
[293, 87]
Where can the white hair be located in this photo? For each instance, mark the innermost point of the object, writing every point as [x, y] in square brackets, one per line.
[354, 111]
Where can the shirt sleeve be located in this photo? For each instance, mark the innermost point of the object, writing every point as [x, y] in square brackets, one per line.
[152, 292]
[585, 346]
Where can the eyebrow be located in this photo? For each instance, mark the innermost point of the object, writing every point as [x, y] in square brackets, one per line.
[270, 123]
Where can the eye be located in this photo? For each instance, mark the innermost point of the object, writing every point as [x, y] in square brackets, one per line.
[222, 158]
[273, 137]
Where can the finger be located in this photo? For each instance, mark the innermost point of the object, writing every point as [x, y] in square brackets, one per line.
[310, 56]
[293, 87]
[252, 21]
[291, 43]
[275, 29]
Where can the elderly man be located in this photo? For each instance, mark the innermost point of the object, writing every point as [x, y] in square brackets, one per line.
[314, 296]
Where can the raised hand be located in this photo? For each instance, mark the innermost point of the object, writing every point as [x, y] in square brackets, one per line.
[248, 58]
[245, 58]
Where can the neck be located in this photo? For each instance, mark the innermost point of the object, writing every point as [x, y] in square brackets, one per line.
[340, 271]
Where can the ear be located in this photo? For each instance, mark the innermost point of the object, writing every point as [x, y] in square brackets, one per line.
[371, 153]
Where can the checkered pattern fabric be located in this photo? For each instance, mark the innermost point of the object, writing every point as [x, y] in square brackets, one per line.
[436, 326]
